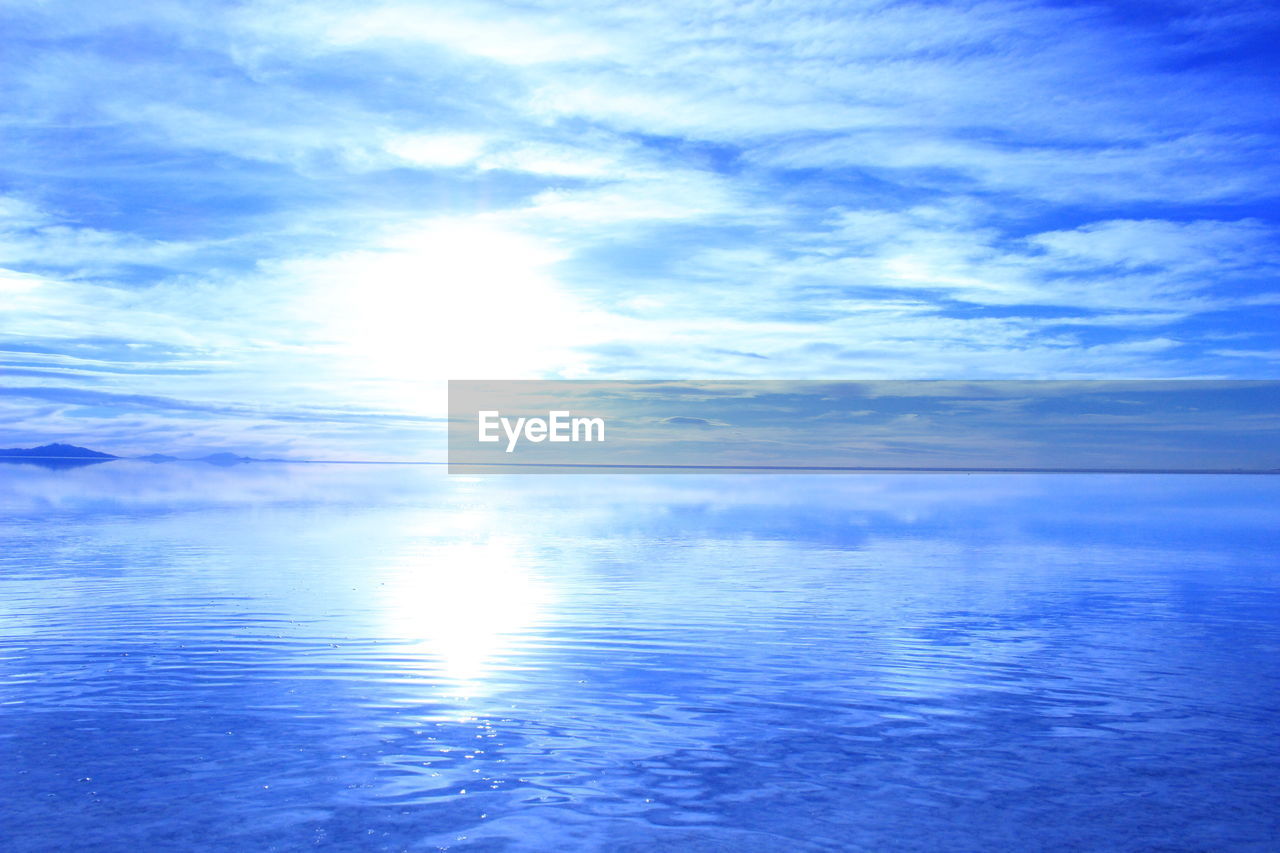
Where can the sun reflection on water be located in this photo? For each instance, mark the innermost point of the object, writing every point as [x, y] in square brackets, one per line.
[465, 610]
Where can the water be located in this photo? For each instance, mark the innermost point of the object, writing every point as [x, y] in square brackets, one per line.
[276, 657]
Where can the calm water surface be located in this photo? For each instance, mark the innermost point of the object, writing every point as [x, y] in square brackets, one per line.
[277, 657]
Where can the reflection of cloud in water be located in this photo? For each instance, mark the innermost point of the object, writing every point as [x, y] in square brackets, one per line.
[836, 509]
[710, 650]
[132, 484]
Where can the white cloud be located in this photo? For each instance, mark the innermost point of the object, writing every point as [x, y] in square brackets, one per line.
[1186, 247]
[439, 149]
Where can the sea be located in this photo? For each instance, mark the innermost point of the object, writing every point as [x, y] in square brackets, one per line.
[279, 657]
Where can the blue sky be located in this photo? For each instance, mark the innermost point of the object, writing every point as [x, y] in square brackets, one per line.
[276, 227]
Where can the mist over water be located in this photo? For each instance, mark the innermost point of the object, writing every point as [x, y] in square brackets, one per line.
[280, 657]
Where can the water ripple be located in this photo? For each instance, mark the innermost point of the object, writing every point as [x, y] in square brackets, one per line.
[629, 670]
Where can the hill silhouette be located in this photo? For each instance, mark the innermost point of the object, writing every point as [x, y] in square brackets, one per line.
[56, 451]
[71, 455]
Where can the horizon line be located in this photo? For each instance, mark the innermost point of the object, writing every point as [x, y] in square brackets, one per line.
[902, 469]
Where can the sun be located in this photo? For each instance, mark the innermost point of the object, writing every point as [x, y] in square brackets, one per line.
[449, 298]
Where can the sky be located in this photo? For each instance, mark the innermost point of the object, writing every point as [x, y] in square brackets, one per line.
[276, 228]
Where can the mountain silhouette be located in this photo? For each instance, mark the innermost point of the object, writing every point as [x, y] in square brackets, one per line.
[72, 456]
[56, 451]
[224, 459]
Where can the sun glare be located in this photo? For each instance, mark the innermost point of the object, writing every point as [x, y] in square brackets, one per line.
[466, 609]
[451, 299]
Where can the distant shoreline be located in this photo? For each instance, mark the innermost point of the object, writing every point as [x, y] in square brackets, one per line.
[852, 469]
